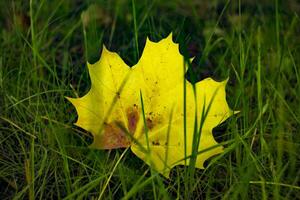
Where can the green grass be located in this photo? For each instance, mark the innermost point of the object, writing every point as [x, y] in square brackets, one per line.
[43, 50]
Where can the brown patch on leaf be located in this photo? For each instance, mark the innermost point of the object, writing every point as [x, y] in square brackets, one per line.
[150, 123]
[113, 136]
[153, 121]
[133, 118]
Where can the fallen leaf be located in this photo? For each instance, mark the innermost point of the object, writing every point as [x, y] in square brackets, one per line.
[157, 134]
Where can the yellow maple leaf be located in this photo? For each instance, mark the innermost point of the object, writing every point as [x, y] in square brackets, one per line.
[157, 125]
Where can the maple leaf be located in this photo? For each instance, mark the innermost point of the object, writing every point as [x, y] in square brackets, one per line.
[113, 112]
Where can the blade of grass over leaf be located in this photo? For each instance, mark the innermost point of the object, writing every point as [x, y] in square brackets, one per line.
[192, 164]
[185, 130]
[145, 124]
[148, 153]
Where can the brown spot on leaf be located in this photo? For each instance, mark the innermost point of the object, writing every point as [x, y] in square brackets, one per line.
[149, 123]
[153, 120]
[118, 95]
[115, 133]
[113, 136]
[155, 143]
[133, 118]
